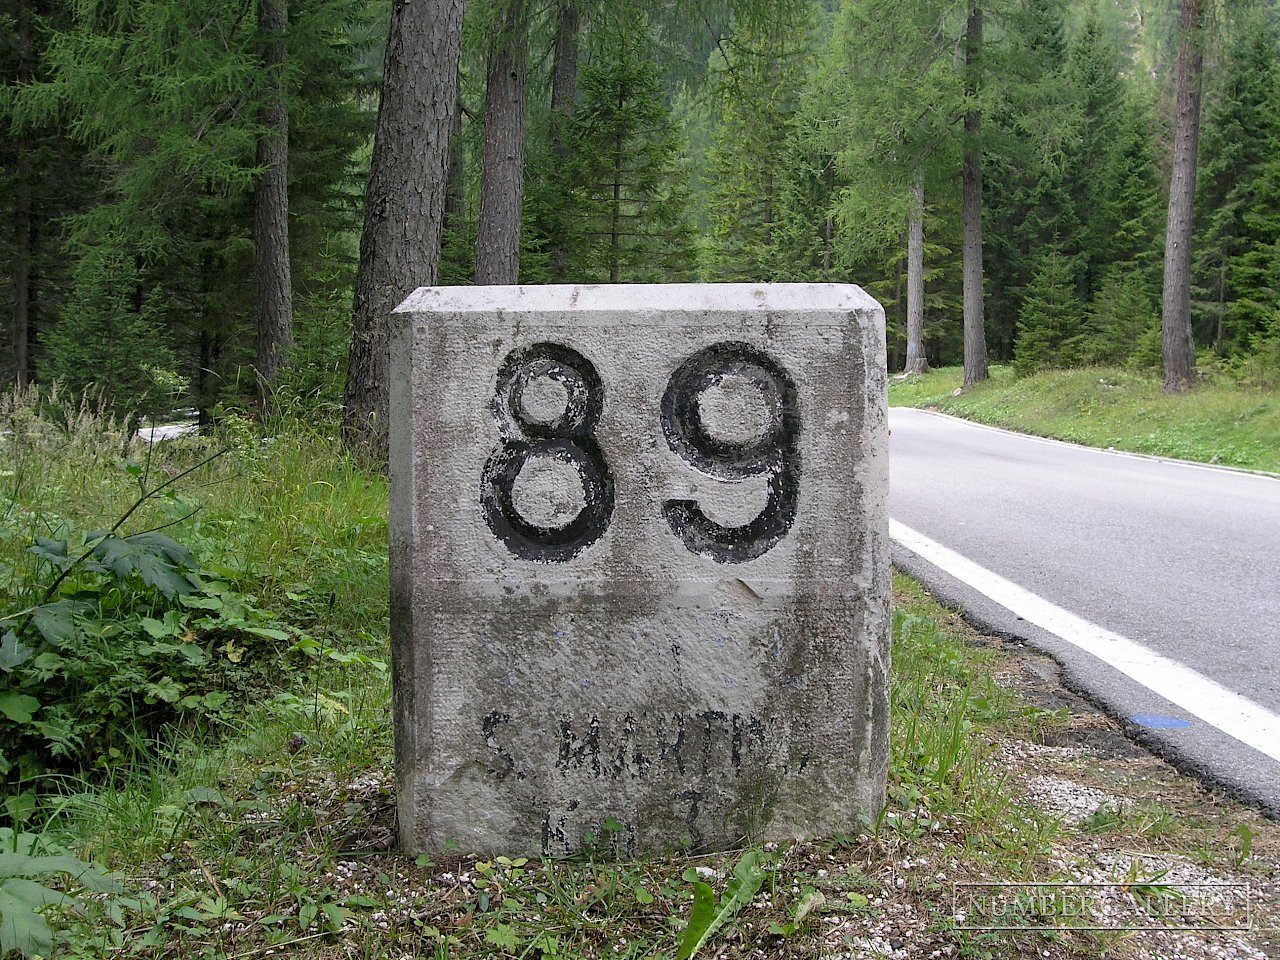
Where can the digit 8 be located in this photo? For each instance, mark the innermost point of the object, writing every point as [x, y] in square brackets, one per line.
[567, 436]
[774, 453]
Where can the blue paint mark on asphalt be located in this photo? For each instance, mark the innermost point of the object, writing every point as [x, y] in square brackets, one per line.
[1157, 722]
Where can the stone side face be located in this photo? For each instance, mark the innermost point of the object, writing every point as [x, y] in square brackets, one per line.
[640, 565]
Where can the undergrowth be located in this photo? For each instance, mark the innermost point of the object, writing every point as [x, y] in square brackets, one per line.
[279, 837]
[156, 591]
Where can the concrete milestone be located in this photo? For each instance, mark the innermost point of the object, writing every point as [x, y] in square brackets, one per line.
[640, 565]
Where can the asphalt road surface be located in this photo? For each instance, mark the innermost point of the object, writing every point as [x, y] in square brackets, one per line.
[1155, 583]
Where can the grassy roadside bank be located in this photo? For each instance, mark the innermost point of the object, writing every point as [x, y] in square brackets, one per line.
[261, 824]
[1220, 422]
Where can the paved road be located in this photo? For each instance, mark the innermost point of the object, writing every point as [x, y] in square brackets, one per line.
[165, 431]
[1175, 560]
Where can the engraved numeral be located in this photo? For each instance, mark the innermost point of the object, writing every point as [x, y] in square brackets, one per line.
[562, 430]
[566, 436]
[773, 451]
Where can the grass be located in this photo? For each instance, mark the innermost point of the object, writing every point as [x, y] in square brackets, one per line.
[1221, 422]
[271, 832]
[278, 837]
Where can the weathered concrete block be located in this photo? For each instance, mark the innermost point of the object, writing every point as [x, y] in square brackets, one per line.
[640, 564]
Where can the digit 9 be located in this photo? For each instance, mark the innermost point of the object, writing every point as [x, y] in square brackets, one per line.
[718, 451]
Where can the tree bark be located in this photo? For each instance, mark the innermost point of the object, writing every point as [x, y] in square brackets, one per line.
[23, 223]
[404, 203]
[274, 292]
[502, 177]
[975, 335]
[916, 361]
[1178, 347]
[564, 92]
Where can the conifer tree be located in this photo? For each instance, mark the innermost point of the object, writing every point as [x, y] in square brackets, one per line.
[44, 178]
[1092, 77]
[1255, 273]
[803, 246]
[1241, 135]
[273, 287]
[1051, 314]
[889, 98]
[166, 100]
[627, 195]
[975, 332]
[400, 242]
[113, 344]
[759, 84]
[1178, 346]
[498, 227]
[1031, 129]
[1122, 316]
[1130, 197]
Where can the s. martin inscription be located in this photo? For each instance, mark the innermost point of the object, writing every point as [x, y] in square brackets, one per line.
[634, 746]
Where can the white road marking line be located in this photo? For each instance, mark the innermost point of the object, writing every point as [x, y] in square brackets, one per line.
[1237, 716]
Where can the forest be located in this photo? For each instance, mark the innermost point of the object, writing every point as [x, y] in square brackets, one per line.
[207, 209]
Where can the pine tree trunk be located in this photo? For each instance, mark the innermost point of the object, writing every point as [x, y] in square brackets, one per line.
[916, 361]
[23, 252]
[899, 303]
[271, 208]
[975, 335]
[1178, 347]
[564, 91]
[23, 222]
[502, 177]
[1220, 329]
[404, 203]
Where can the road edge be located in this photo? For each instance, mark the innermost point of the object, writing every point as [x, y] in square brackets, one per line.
[1132, 454]
[990, 619]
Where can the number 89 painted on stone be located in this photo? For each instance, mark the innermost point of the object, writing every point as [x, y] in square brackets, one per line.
[549, 399]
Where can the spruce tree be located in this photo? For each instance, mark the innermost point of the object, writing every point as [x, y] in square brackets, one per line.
[112, 345]
[1051, 314]
[1031, 129]
[1122, 316]
[166, 100]
[1255, 274]
[759, 83]
[45, 177]
[627, 194]
[1093, 79]
[1241, 135]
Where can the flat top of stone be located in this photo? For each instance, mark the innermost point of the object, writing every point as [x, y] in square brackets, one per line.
[646, 297]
